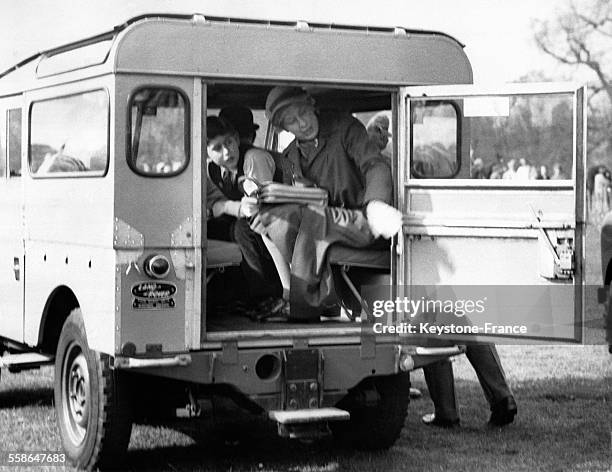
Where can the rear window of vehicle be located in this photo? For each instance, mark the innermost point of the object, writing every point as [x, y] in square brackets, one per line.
[158, 137]
[435, 150]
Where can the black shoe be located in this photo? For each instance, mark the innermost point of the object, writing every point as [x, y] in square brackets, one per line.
[430, 419]
[271, 310]
[503, 412]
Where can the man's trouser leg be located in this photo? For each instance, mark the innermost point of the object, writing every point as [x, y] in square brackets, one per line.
[441, 385]
[486, 363]
[303, 234]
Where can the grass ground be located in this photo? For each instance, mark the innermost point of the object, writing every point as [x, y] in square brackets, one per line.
[564, 422]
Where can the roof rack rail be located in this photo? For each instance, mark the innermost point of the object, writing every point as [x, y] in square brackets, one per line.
[219, 19]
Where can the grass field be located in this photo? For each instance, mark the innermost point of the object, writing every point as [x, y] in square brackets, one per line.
[564, 422]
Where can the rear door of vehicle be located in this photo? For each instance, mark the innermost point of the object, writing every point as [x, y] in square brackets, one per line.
[506, 247]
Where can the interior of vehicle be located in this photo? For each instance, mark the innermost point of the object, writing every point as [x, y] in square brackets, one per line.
[352, 268]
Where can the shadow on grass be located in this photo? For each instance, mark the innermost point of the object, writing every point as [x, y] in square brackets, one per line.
[562, 425]
[21, 397]
[241, 445]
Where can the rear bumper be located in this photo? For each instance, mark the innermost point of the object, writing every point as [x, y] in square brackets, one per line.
[344, 366]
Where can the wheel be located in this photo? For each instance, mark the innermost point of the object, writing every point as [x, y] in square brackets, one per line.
[378, 408]
[608, 320]
[91, 401]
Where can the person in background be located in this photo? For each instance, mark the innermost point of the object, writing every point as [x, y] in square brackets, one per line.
[510, 172]
[525, 171]
[558, 173]
[229, 161]
[441, 386]
[543, 173]
[333, 151]
[498, 167]
[378, 131]
[601, 189]
[478, 170]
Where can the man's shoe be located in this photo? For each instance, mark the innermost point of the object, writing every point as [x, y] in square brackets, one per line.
[272, 311]
[415, 393]
[503, 412]
[430, 419]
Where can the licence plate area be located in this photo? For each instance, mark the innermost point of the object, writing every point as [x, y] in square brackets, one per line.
[302, 379]
[145, 304]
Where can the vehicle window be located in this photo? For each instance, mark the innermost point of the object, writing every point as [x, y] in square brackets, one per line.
[69, 135]
[521, 138]
[159, 132]
[13, 134]
[435, 150]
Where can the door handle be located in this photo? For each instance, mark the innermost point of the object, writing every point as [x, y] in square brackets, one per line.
[16, 268]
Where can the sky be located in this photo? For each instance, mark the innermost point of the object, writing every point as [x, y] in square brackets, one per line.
[497, 33]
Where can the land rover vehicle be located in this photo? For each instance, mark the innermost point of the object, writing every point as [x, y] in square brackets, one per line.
[104, 257]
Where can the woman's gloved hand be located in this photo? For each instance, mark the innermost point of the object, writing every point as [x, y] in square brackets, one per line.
[383, 219]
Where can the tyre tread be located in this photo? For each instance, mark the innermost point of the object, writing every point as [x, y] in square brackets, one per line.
[113, 422]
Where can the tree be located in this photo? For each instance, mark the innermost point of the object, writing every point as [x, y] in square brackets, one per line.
[581, 36]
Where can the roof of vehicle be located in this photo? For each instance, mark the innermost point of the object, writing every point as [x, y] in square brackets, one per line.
[231, 48]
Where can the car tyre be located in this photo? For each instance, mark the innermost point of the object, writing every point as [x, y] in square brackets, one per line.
[378, 408]
[91, 400]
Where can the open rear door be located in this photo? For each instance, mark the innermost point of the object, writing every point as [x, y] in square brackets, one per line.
[491, 184]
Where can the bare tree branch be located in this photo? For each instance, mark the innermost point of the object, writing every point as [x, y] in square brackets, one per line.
[581, 36]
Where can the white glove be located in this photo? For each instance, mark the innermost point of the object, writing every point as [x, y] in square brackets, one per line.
[248, 207]
[383, 219]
